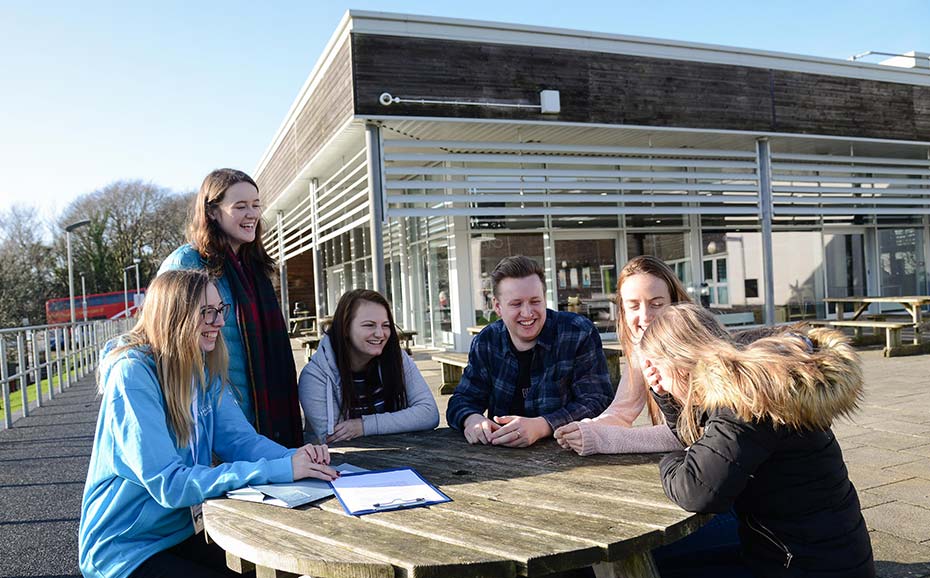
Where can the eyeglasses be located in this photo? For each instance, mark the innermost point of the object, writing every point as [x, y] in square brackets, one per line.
[210, 313]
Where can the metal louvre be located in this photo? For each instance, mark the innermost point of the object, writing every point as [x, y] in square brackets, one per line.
[338, 204]
[831, 185]
[428, 178]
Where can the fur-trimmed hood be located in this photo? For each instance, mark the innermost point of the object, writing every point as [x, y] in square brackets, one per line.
[803, 377]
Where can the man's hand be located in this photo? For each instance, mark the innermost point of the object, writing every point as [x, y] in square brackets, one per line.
[569, 436]
[479, 429]
[519, 432]
[346, 430]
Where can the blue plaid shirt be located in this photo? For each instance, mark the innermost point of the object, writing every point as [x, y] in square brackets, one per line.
[568, 375]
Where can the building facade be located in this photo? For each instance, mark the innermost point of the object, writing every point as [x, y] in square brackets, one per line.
[421, 150]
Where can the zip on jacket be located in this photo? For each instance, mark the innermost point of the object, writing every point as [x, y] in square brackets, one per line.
[769, 535]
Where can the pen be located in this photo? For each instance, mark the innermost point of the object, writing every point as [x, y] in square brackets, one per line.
[396, 503]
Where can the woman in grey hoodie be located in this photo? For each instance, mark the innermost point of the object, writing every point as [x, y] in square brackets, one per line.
[359, 381]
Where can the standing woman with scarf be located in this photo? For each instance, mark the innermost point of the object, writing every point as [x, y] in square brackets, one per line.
[225, 238]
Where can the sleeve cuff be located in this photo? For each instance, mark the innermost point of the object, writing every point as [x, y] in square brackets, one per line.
[281, 469]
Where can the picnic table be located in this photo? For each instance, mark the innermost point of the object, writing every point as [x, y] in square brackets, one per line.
[911, 304]
[515, 512]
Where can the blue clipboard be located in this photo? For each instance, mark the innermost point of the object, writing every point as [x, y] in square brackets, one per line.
[385, 490]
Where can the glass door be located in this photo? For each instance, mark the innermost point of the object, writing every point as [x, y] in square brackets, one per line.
[846, 270]
[586, 277]
[901, 262]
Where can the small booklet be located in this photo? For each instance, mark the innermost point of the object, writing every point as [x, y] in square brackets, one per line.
[382, 490]
[293, 494]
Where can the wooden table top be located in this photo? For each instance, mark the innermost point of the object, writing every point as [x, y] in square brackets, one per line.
[920, 299]
[526, 512]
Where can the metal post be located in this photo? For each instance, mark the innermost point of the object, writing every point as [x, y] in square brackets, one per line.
[58, 339]
[125, 295]
[48, 365]
[21, 370]
[36, 364]
[135, 301]
[70, 273]
[764, 167]
[66, 338]
[319, 300]
[5, 379]
[83, 297]
[282, 271]
[375, 204]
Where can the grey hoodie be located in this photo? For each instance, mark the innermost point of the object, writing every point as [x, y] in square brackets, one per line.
[321, 395]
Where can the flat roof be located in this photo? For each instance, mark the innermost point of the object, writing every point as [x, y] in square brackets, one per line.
[479, 31]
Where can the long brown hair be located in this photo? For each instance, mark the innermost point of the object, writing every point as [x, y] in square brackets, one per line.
[646, 265]
[168, 328]
[205, 234]
[778, 377]
[389, 366]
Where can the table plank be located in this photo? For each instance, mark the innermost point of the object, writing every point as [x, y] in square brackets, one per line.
[327, 544]
[259, 540]
[534, 551]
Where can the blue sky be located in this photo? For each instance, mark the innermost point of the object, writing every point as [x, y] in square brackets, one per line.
[96, 91]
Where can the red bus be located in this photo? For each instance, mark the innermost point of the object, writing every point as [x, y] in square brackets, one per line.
[99, 306]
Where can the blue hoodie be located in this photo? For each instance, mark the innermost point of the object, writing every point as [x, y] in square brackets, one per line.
[186, 257]
[140, 484]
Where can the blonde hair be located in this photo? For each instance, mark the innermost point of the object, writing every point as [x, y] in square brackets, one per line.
[646, 265]
[778, 377]
[169, 329]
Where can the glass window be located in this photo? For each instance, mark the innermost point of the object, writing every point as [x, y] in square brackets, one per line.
[487, 250]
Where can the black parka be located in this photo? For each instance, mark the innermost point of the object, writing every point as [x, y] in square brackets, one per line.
[798, 512]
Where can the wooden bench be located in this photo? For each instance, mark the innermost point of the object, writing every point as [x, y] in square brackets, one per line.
[893, 345]
[452, 365]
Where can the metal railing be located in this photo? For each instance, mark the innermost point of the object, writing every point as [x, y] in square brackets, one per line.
[63, 353]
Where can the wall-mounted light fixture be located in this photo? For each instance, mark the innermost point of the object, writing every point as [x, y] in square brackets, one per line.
[549, 102]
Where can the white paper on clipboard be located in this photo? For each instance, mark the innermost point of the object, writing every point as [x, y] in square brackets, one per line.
[382, 490]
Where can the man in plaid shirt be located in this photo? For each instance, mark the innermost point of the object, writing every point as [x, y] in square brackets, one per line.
[533, 371]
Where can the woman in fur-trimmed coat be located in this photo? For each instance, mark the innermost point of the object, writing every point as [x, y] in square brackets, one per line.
[760, 441]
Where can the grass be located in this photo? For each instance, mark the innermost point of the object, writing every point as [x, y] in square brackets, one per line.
[16, 398]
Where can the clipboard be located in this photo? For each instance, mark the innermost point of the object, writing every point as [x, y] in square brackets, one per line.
[385, 490]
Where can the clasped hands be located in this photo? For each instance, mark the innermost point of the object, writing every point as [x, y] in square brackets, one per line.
[505, 430]
[312, 461]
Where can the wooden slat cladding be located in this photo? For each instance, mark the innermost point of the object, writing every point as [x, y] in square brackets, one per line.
[619, 89]
[326, 111]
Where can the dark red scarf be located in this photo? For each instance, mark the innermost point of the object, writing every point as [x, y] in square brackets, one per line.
[271, 367]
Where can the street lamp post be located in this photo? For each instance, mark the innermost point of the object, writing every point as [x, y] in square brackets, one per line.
[68, 230]
[83, 297]
[135, 264]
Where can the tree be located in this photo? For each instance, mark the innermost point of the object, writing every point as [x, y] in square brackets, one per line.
[27, 268]
[128, 220]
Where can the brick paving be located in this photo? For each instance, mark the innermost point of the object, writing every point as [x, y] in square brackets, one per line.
[43, 463]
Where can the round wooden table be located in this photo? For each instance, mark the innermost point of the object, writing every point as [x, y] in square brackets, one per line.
[515, 512]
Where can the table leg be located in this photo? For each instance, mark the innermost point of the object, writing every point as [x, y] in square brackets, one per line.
[264, 572]
[640, 565]
[237, 564]
[914, 310]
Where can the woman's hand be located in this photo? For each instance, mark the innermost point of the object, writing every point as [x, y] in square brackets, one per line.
[346, 430]
[569, 436]
[312, 462]
[653, 378]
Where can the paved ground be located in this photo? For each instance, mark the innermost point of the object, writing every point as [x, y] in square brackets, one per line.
[43, 463]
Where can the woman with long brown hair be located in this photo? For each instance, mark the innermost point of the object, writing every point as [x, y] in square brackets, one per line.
[756, 421]
[165, 417]
[225, 238]
[359, 381]
[645, 286]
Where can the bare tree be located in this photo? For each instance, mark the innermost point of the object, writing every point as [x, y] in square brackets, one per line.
[128, 220]
[27, 268]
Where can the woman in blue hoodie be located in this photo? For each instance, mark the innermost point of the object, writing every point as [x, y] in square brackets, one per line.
[165, 413]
